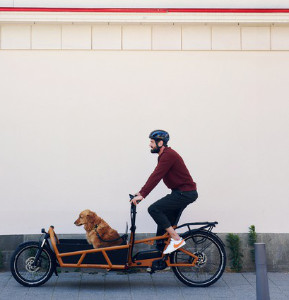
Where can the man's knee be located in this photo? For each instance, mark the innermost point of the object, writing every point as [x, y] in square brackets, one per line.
[152, 209]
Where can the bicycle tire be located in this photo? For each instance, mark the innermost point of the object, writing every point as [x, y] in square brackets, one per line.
[210, 265]
[22, 268]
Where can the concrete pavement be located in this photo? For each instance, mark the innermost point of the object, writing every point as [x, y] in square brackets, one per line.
[110, 285]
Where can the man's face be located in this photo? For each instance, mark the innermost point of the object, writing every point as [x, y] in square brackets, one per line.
[153, 145]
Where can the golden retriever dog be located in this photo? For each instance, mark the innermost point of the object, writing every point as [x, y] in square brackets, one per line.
[97, 230]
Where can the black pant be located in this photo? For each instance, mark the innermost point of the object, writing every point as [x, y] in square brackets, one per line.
[167, 211]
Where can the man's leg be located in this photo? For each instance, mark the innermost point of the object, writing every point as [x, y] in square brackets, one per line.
[171, 215]
[165, 211]
[161, 231]
[160, 243]
[173, 233]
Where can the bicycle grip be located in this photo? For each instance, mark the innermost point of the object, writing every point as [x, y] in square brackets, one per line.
[132, 196]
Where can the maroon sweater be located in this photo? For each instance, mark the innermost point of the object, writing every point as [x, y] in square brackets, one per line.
[171, 168]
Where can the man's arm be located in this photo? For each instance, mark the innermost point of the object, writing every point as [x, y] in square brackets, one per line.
[165, 163]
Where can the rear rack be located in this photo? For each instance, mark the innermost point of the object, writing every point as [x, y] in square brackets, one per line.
[208, 225]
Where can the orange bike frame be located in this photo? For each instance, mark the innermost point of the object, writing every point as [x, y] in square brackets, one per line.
[136, 263]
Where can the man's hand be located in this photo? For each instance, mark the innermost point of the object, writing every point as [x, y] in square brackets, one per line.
[136, 198]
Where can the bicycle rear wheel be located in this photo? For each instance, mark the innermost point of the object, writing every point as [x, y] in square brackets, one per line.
[211, 259]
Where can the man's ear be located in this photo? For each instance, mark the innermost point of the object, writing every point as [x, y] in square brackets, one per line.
[160, 143]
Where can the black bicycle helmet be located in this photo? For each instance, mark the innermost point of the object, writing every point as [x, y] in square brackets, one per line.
[160, 135]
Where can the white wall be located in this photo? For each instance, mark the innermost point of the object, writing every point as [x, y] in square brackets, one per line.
[74, 128]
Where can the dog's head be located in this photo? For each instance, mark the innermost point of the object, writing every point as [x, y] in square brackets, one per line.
[87, 218]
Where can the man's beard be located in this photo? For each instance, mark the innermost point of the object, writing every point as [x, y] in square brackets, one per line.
[155, 150]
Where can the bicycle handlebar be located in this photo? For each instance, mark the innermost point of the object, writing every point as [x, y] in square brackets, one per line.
[131, 197]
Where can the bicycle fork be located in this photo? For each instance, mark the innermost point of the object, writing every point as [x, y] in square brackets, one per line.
[39, 251]
[35, 264]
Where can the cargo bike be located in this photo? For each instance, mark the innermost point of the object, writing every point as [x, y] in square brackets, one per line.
[200, 263]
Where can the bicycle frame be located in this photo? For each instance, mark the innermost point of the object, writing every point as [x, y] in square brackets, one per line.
[130, 261]
[203, 248]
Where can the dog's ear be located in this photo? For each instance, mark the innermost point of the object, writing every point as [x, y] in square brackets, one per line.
[90, 222]
[91, 217]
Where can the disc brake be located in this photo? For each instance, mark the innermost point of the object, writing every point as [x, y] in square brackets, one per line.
[29, 265]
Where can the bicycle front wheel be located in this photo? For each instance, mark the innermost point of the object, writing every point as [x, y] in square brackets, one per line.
[23, 268]
[210, 264]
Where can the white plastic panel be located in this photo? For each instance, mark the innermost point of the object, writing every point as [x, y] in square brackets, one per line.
[256, 38]
[166, 37]
[226, 38]
[6, 3]
[15, 36]
[76, 37]
[196, 37]
[154, 3]
[106, 37]
[279, 38]
[46, 37]
[136, 37]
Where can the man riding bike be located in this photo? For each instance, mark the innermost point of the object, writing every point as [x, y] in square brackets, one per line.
[171, 168]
